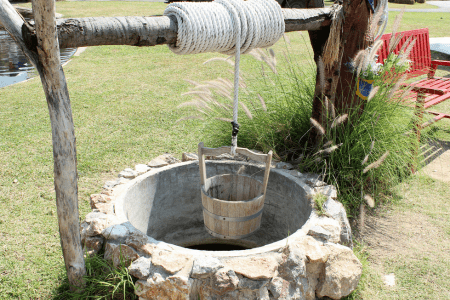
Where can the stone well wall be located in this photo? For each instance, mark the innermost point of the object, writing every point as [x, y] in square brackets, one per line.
[305, 257]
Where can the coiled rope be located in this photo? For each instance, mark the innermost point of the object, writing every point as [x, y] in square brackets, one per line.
[228, 27]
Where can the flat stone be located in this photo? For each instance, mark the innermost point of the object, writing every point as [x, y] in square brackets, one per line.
[93, 243]
[314, 250]
[171, 262]
[327, 229]
[292, 265]
[99, 198]
[259, 267]
[140, 268]
[141, 169]
[224, 281]
[320, 233]
[115, 232]
[106, 208]
[187, 156]
[342, 273]
[284, 165]
[157, 163]
[279, 288]
[327, 190]
[252, 285]
[337, 211]
[128, 173]
[313, 180]
[205, 266]
[293, 172]
[120, 254]
[158, 287]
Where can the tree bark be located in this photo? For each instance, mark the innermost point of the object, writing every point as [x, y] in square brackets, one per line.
[152, 31]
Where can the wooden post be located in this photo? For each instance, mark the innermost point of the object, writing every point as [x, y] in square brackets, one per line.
[63, 138]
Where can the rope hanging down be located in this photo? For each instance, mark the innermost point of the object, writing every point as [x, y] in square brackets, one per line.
[228, 27]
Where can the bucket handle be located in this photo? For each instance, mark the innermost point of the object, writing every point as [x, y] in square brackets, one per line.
[264, 158]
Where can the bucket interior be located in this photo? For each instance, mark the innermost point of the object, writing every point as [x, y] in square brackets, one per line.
[233, 187]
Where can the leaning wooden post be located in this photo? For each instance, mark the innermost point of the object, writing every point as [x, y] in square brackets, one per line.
[63, 138]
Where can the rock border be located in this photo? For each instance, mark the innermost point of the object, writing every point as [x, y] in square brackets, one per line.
[316, 262]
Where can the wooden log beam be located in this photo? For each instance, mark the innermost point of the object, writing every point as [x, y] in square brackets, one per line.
[156, 30]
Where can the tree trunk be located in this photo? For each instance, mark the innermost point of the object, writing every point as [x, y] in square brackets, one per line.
[336, 83]
[152, 31]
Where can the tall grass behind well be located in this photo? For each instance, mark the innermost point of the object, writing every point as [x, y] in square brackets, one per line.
[363, 153]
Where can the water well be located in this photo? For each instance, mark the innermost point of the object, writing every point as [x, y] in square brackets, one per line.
[157, 223]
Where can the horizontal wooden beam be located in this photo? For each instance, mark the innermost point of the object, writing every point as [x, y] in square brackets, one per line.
[154, 30]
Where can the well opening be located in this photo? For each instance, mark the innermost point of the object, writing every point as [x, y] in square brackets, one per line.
[166, 205]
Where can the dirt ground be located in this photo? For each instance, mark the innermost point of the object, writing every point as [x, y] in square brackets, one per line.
[410, 240]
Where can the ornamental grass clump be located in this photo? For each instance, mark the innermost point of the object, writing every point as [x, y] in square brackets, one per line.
[363, 152]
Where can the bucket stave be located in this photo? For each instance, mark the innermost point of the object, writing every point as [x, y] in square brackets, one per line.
[232, 205]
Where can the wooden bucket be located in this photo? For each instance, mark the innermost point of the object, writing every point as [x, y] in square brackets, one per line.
[232, 203]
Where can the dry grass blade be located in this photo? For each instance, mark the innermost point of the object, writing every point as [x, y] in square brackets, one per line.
[226, 82]
[339, 120]
[374, 50]
[263, 103]
[195, 83]
[195, 103]
[372, 93]
[225, 120]
[366, 158]
[328, 150]
[318, 127]
[373, 25]
[222, 59]
[376, 163]
[361, 59]
[369, 201]
[188, 118]
[200, 92]
[393, 43]
[402, 49]
[246, 110]
[409, 48]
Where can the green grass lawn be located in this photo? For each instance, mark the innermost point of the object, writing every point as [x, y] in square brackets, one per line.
[124, 102]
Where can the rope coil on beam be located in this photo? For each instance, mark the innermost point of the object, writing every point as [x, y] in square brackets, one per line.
[229, 27]
[213, 26]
